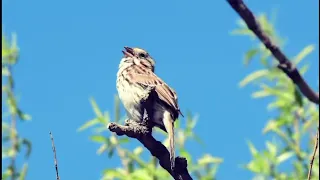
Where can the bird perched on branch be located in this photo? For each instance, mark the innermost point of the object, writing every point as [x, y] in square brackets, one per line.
[137, 82]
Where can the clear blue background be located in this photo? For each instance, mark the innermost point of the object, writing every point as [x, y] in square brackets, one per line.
[70, 51]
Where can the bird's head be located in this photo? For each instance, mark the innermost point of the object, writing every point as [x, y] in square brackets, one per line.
[139, 57]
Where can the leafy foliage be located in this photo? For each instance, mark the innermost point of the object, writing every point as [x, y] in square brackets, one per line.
[292, 129]
[134, 166]
[12, 142]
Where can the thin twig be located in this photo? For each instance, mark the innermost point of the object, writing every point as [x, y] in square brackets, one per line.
[314, 154]
[55, 156]
[284, 63]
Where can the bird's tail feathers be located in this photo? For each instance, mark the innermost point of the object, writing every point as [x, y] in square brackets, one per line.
[169, 125]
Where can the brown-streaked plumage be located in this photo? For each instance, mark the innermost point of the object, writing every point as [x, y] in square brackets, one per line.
[136, 82]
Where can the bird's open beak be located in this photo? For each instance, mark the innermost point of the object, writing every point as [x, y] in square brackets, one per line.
[128, 52]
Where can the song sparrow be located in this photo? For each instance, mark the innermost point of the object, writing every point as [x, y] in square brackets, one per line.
[136, 82]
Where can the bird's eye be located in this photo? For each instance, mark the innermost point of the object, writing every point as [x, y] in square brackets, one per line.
[142, 55]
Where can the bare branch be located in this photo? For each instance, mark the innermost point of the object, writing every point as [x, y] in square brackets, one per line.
[284, 63]
[143, 134]
[55, 156]
[314, 154]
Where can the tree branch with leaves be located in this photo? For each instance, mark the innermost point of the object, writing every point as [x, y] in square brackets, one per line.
[133, 165]
[292, 103]
[12, 142]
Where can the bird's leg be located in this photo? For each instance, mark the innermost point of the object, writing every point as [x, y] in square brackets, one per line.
[132, 127]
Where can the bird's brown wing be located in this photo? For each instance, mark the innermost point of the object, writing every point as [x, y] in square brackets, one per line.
[165, 93]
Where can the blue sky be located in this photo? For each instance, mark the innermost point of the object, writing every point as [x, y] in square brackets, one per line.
[70, 51]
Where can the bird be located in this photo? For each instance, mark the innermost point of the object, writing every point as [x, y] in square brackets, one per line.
[136, 82]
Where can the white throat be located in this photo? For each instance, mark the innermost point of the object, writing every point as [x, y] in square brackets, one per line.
[124, 64]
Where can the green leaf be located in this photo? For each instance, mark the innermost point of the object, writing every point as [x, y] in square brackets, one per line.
[252, 166]
[259, 177]
[184, 153]
[304, 69]
[141, 174]
[284, 156]
[284, 95]
[5, 127]
[11, 153]
[250, 55]
[28, 145]
[271, 148]
[95, 108]
[140, 162]
[102, 149]
[253, 76]
[198, 140]
[5, 70]
[177, 123]
[105, 119]
[124, 140]
[298, 96]
[243, 31]
[260, 94]
[6, 174]
[212, 172]
[11, 102]
[299, 169]
[5, 152]
[111, 174]
[113, 140]
[192, 123]
[283, 176]
[110, 152]
[9, 54]
[208, 159]
[306, 126]
[266, 25]
[252, 149]
[101, 129]
[23, 172]
[277, 104]
[98, 138]
[10, 84]
[271, 125]
[23, 116]
[302, 54]
[241, 23]
[88, 124]
[161, 174]
[138, 150]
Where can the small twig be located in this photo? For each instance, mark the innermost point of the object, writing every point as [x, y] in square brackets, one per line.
[157, 149]
[284, 63]
[314, 154]
[55, 156]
